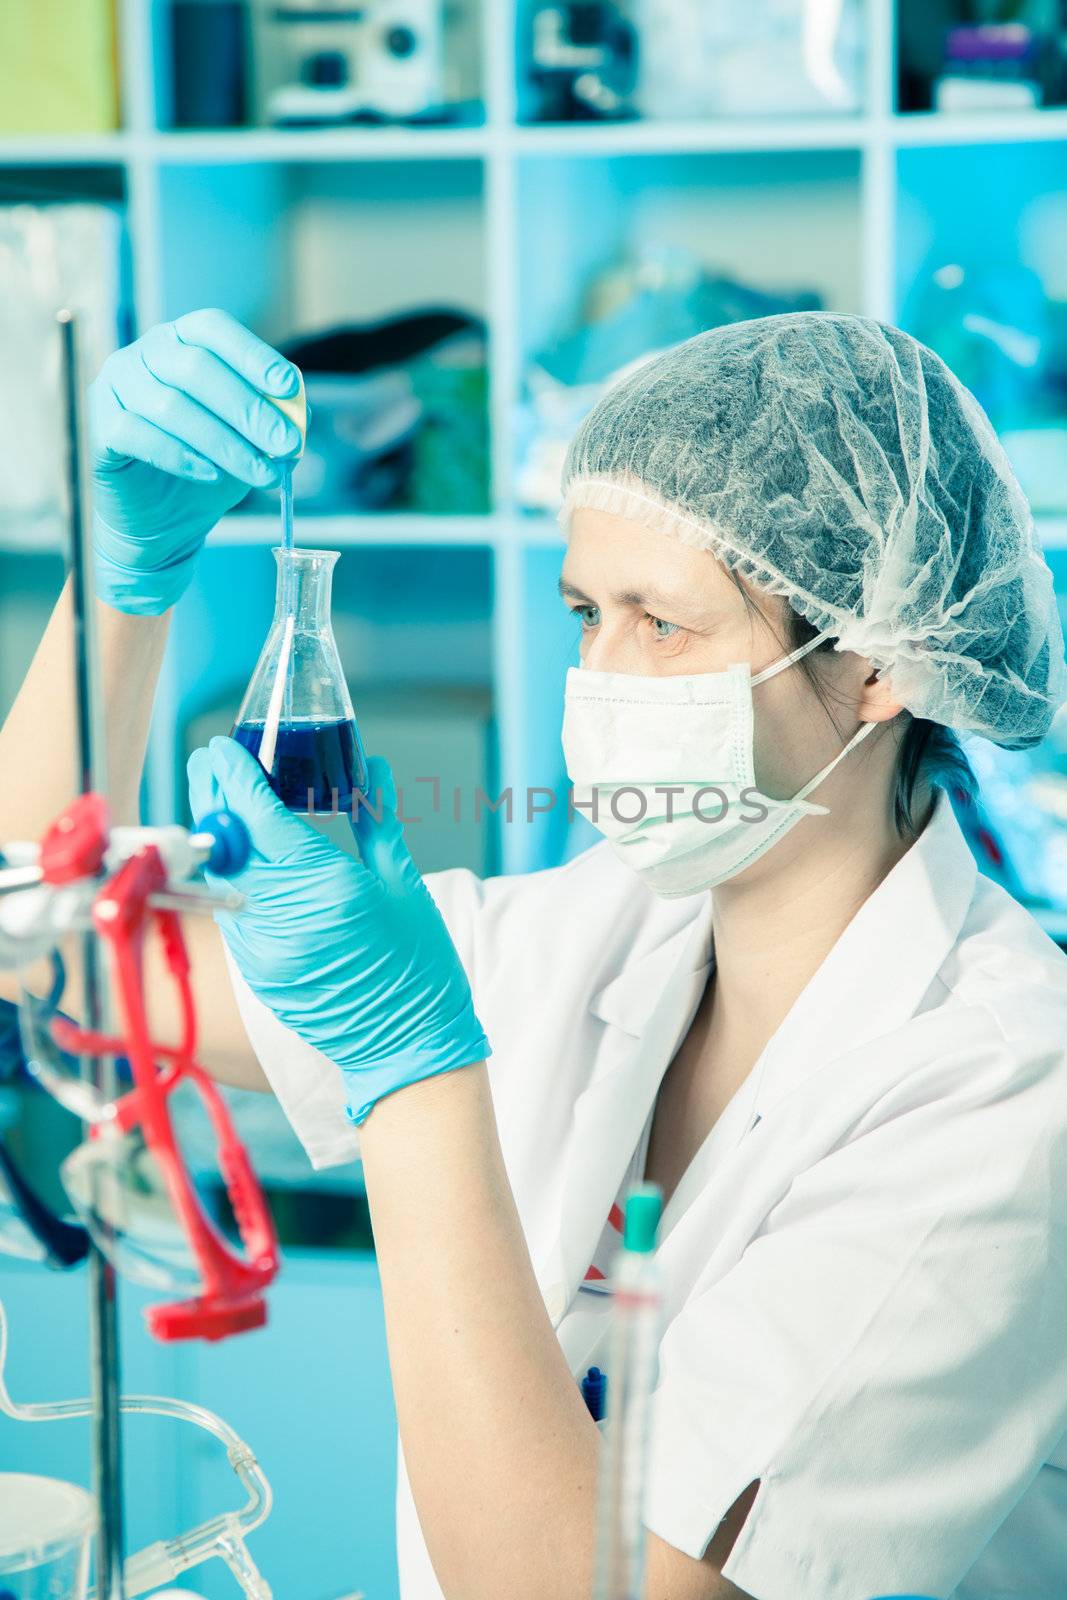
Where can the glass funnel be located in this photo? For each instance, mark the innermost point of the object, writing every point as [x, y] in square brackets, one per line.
[296, 716]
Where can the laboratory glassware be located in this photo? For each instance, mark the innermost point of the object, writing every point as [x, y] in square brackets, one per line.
[29, 1227]
[286, 492]
[296, 716]
[633, 1352]
[165, 1560]
[45, 1529]
[128, 1181]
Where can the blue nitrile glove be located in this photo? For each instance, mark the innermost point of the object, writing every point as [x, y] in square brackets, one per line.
[352, 955]
[180, 431]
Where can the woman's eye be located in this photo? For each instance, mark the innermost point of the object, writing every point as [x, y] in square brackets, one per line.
[588, 616]
[661, 629]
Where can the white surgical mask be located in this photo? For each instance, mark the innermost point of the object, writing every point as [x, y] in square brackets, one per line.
[663, 767]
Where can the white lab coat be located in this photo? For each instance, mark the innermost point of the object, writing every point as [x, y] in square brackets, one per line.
[866, 1263]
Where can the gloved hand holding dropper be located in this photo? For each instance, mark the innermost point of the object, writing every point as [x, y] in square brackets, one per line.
[183, 423]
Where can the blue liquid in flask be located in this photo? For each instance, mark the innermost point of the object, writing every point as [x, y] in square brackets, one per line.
[318, 767]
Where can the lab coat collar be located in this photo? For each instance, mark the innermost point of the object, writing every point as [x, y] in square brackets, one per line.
[648, 1009]
[629, 1000]
[872, 981]
[883, 964]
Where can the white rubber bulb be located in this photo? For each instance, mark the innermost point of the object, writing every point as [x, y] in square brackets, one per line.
[296, 410]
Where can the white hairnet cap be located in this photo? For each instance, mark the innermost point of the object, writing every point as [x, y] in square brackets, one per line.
[836, 461]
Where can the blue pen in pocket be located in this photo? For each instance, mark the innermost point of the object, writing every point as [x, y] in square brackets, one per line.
[594, 1389]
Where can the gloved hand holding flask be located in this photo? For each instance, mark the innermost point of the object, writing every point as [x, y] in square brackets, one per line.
[353, 956]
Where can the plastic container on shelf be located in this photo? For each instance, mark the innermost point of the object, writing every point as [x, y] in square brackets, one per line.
[748, 58]
[990, 67]
[59, 67]
[50, 255]
[45, 1529]
[582, 61]
[209, 52]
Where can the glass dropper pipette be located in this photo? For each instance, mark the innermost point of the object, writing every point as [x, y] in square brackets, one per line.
[296, 411]
[287, 545]
[287, 504]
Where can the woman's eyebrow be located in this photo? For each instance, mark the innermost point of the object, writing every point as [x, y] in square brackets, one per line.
[675, 606]
[651, 600]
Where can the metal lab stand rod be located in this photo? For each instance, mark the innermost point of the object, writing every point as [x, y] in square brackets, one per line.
[91, 754]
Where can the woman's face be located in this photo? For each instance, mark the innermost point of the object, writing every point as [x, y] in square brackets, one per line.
[651, 606]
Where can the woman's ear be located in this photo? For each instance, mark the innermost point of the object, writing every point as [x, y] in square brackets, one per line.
[877, 703]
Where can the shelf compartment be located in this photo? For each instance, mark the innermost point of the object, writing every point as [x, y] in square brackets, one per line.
[581, 220]
[309, 249]
[730, 210]
[237, 65]
[299, 248]
[30, 583]
[986, 286]
[537, 640]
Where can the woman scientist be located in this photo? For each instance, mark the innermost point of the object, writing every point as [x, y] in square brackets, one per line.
[801, 565]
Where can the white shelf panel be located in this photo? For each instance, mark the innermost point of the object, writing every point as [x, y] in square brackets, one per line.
[317, 144]
[397, 528]
[233, 147]
[987, 127]
[530, 530]
[64, 149]
[1052, 531]
[33, 541]
[651, 138]
[535, 529]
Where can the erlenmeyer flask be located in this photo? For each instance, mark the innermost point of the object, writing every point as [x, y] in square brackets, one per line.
[296, 716]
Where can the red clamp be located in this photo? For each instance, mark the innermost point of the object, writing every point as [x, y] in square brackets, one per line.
[75, 845]
[231, 1277]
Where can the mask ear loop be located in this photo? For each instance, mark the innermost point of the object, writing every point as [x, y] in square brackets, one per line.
[789, 660]
[857, 738]
[861, 733]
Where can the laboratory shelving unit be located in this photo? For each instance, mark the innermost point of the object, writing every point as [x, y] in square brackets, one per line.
[294, 230]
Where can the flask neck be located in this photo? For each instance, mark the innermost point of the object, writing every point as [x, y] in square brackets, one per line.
[304, 588]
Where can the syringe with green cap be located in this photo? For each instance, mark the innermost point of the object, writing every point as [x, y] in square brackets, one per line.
[633, 1352]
